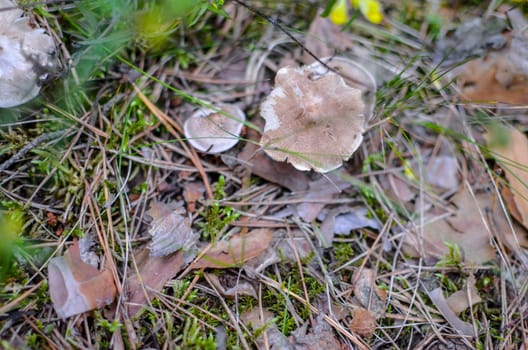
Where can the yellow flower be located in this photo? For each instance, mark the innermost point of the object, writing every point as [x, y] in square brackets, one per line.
[371, 9]
[338, 15]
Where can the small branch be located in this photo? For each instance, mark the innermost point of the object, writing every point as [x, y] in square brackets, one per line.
[33, 144]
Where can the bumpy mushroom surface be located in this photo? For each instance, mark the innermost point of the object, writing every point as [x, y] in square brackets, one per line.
[26, 54]
[213, 132]
[314, 119]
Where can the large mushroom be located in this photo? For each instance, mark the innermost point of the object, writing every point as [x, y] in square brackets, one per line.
[26, 55]
[213, 131]
[314, 117]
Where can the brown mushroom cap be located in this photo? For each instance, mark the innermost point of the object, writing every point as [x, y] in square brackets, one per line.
[314, 120]
[213, 132]
[355, 76]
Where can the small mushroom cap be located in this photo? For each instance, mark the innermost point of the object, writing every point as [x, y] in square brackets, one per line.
[314, 120]
[213, 132]
[26, 54]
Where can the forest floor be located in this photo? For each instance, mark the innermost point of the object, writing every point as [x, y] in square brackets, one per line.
[418, 241]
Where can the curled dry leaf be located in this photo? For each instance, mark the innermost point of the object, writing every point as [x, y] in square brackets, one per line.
[76, 287]
[462, 299]
[463, 328]
[363, 323]
[368, 293]
[513, 159]
[170, 230]
[235, 251]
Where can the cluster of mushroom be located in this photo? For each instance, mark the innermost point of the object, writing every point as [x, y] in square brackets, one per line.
[315, 116]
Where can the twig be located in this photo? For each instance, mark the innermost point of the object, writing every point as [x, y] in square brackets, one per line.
[33, 144]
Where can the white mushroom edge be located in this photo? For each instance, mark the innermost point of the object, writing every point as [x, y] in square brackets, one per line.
[214, 132]
[26, 55]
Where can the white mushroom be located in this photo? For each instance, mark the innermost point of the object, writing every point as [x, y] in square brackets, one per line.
[314, 119]
[214, 132]
[26, 54]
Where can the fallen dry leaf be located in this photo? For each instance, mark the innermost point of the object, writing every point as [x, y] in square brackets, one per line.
[170, 229]
[442, 172]
[76, 287]
[363, 323]
[513, 159]
[321, 336]
[153, 272]
[494, 79]
[396, 188]
[234, 252]
[469, 228]
[241, 287]
[280, 248]
[193, 192]
[462, 299]
[342, 220]
[320, 191]
[324, 38]
[368, 293]
[473, 38]
[463, 328]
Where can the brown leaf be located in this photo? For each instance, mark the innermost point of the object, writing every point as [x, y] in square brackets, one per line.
[192, 192]
[466, 229]
[363, 323]
[494, 79]
[321, 190]
[170, 229]
[368, 293]
[153, 272]
[76, 287]
[240, 288]
[442, 172]
[440, 302]
[236, 250]
[321, 336]
[462, 299]
[396, 188]
[324, 38]
[470, 228]
[513, 158]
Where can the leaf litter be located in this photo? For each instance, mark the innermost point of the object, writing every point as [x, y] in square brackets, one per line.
[281, 261]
